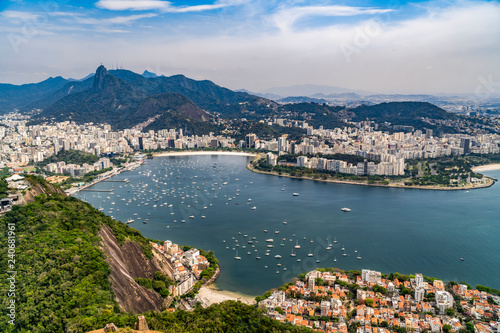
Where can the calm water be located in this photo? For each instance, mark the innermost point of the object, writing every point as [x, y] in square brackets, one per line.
[392, 230]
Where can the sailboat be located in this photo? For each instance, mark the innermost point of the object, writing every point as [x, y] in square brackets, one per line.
[297, 246]
[237, 257]
[292, 254]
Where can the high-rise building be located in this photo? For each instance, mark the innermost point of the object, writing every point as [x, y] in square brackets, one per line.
[465, 144]
[250, 140]
[282, 144]
[141, 143]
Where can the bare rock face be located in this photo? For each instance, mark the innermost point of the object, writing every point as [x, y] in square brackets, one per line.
[128, 262]
[110, 328]
[37, 189]
[141, 324]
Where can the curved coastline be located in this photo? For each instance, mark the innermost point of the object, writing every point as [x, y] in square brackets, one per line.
[204, 152]
[490, 182]
[486, 167]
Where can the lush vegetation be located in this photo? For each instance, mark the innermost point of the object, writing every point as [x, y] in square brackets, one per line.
[62, 278]
[405, 113]
[4, 188]
[229, 316]
[443, 171]
[70, 157]
[159, 283]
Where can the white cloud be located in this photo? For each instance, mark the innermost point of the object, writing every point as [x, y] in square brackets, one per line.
[164, 6]
[285, 18]
[440, 50]
[133, 4]
[113, 20]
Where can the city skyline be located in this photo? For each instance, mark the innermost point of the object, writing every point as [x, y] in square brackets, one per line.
[382, 47]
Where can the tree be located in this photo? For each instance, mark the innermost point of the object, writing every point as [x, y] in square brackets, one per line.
[450, 312]
[446, 328]
[369, 302]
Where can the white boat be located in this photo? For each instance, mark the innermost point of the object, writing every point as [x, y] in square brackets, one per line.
[277, 256]
[237, 257]
[269, 240]
[292, 254]
[345, 209]
[285, 222]
[297, 246]
[130, 221]
[254, 208]
[295, 194]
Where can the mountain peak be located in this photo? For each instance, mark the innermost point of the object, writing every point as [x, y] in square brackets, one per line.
[148, 74]
[99, 77]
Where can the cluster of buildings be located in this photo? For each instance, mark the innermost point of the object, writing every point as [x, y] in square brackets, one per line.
[186, 266]
[327, 302]
[75, 170]
[392, 167]
[22, 145]
[389, 150]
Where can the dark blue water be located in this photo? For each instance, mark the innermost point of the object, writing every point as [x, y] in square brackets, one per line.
[391, 230]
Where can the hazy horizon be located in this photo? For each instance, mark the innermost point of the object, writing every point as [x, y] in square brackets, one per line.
[391, 47]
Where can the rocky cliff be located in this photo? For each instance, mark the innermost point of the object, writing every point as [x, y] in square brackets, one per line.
[128, 262]
[38, 187]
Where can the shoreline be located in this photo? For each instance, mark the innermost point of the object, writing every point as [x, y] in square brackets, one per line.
[486, 167]
[394, 185]
[203, 152]
[479, 168]
[213, 295]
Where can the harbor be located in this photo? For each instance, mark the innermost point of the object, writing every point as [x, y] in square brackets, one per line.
[207, 201]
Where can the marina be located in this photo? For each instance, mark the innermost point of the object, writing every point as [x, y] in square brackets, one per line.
[385, 227]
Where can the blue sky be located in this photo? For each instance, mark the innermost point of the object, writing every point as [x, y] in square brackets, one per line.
[381, 46]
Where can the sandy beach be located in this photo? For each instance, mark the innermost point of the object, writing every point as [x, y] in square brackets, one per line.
[486, 167]
[186, 153]
[212, 295]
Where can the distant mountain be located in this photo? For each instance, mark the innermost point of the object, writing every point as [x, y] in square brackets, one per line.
[403, 98]
[69, 88]
[19, 96]
[83, 79]
[273, 97]
[302, 99]
[405, 113]
[125, 99]
[309, 90]
[148, 74]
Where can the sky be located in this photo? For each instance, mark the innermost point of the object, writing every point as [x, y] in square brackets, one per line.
[392, 46]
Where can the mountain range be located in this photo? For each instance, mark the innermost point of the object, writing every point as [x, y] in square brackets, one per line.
[125, 99]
